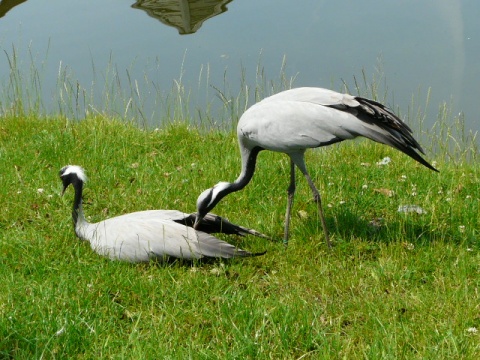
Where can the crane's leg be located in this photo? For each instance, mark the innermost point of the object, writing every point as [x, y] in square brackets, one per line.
[318, 200]
[290, 196]
[298, 159]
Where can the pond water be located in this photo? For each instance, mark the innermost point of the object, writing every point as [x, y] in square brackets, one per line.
[151, 45]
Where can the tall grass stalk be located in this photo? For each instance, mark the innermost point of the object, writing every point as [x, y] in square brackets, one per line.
[447, 137]
[22, 92]
[148, 103]
[235, 103]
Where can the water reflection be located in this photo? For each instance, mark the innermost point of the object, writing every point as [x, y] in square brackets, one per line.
[185, 15]
[7, 5]
[451, 12]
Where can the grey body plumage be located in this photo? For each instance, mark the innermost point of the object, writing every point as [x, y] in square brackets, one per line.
[295, 120]
[152, 234]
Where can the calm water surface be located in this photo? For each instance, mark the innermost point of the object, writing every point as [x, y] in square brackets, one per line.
[417, 44]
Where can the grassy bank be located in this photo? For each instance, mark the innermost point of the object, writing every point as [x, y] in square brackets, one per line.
[395, 286]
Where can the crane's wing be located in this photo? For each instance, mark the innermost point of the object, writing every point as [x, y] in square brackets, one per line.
[210, 224]
[141, 236]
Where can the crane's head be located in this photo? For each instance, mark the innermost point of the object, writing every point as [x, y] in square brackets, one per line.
[72, 174]
[209, 199]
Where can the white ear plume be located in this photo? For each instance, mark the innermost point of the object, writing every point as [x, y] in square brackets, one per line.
[74, 169]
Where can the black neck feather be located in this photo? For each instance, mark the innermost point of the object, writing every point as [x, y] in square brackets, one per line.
[248, 169]
[77, 201]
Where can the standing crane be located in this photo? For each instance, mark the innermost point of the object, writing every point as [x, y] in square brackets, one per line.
[298, 119]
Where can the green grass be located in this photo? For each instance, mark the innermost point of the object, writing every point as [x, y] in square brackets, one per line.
[406, 290]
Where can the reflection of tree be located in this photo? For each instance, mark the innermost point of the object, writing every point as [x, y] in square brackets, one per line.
[7, 5]
[185, 15]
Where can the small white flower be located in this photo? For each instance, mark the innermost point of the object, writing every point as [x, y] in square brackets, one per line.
[60, 332]
[40, 191]
[364, 186]
[461, 228]
[342, 202]
[409, 246]
[385, 161]
[472, 330]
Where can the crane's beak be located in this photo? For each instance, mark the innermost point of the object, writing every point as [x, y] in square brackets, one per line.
[64, 188]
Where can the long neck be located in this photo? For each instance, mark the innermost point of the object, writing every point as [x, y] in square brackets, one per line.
[249, 160]
[77, 211]
[219, 191]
